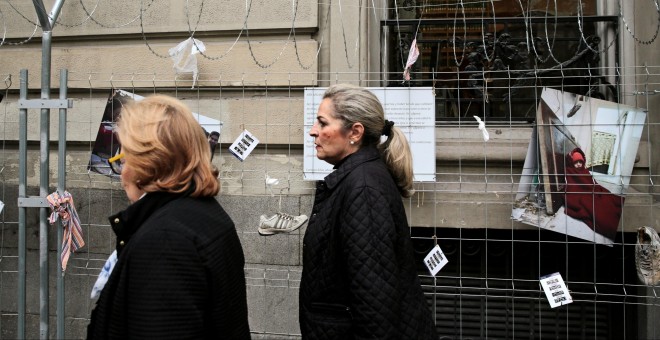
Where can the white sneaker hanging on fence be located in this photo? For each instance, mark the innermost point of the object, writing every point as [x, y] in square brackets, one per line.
[280, 223]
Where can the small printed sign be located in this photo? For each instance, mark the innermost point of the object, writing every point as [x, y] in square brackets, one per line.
[243, 145]
[435, 260]
[555, 290]
[2, 206]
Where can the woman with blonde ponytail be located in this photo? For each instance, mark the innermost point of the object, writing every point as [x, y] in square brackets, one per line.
[359, 278]
[396, 154]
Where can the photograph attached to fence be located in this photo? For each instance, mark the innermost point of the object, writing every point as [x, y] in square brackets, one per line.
[578, 165]
[107, 145]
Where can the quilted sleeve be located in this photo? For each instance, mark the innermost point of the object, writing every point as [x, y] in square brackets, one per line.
[368, 239]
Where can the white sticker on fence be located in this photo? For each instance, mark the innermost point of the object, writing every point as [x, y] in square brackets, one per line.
[2, 206]
[435, 260]
[555, 290]
[243, 145]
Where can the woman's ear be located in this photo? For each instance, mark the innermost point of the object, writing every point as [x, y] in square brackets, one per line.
[357, 131]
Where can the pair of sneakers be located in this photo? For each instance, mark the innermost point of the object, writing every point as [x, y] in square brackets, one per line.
[280, 223]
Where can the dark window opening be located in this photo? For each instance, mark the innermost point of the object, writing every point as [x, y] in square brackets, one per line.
[490, 287]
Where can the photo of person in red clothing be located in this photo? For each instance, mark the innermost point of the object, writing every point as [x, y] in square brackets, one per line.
[588, 201]
[577, 158]
[578, 166]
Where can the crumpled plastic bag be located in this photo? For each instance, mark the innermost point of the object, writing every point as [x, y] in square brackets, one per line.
[184, 56]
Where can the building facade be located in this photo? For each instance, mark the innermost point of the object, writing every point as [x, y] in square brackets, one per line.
[259, 59]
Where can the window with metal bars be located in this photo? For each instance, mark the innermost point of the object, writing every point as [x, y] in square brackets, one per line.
[492, 59]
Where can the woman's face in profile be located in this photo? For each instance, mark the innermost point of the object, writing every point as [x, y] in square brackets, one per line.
[330, 141]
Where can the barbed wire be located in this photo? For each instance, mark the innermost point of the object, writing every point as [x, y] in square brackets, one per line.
[483, 35]
[459, 63]
[579, 17]
[288, 39]
[625, 24]
[199, 17]
[139, 16]
[89, 16]
[343, 33]
[4, 33]
[547, 42]
[203, 54]
[144, 36]
[318, 50]
[21, 14]
[292, 32]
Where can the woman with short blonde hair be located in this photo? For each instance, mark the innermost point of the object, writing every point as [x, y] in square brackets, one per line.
[177, 268]
[167, 146]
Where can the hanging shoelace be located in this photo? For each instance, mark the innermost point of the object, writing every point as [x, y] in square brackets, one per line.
[63, 208]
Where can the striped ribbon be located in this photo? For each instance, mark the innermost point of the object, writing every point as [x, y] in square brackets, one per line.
[63, 208]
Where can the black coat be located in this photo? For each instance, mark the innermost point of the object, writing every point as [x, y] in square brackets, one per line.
[179, 273]
[359, 278]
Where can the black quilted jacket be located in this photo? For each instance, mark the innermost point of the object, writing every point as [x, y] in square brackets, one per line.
[179, 273]
[359, 279]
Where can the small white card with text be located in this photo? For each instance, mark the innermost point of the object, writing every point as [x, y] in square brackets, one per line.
[435, 260]
[555, 290]
[2, 206]
[243, 145]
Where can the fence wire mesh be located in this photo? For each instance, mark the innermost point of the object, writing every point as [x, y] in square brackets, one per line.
[490, 287]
